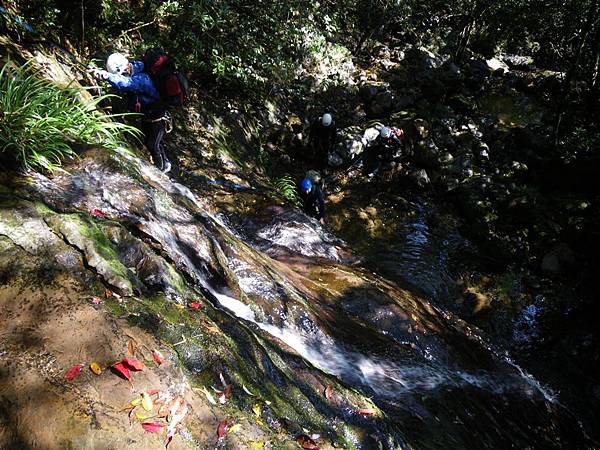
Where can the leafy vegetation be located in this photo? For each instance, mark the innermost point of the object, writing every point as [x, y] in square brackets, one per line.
[250, 47]
[285, 188]
[42, 124]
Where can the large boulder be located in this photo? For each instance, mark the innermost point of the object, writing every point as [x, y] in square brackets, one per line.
[558, 260]
[433, 89]
[427, 154]
[381, 104]
[518, 62]
[352, 141]
[461, 104]
[419, 177]
[368, 91]
[422, 59]
[478, 68]
[349, 145]
[497, 66]
[443, 139]
[451, 76]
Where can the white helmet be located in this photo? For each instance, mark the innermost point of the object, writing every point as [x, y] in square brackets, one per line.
[116, 63]
[326, 119]
[385, 132]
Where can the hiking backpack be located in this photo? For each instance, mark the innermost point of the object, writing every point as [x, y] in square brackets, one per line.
[172, 85]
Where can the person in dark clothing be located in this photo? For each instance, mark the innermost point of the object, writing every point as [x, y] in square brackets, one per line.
[322, 137]
[387, 147]
[313, 200]
[129, 78]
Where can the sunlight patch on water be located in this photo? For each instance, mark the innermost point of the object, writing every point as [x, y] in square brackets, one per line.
[304, 237]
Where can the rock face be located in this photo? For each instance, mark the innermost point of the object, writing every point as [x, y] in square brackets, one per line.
[518, 62]
[558, 260]
[108, 282]
[180, 272]
[54, 317]
[275, 307]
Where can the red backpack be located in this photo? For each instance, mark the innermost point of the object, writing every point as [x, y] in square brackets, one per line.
[172, 85]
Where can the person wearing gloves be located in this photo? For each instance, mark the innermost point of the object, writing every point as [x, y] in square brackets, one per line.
[130, 80]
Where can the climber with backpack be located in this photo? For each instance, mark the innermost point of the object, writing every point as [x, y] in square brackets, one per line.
[171, 83]
[311, 192]
[149, 89]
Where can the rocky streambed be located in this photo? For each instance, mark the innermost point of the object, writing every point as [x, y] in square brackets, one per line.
[114, 258]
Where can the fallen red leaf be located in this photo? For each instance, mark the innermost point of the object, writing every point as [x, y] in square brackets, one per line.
[195, 305]
[328, 393]
[223, 426]
[158, 357]
[98, 213]
[153, 391]
[306, 442]
[366, 412]
[133, 364]
[122, 370]
[73, 372]
[152, 427]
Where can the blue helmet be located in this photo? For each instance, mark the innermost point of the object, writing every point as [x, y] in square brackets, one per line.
[306, 185]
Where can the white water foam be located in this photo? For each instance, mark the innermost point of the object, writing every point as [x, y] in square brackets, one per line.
[386, 378]
[301, 238]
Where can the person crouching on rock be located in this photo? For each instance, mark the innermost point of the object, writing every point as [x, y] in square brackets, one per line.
[129, 79]
[385, 148]
[313, 200]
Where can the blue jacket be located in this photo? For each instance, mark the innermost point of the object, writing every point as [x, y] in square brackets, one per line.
[139, 88]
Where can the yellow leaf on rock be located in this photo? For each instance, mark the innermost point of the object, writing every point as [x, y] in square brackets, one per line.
[146, 401]
[94, 367]
[135, 402]
[142, 416]
[235, 428]
[257, 444]
[257, 409]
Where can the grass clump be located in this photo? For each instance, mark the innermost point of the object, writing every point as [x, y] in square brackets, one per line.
[41, 124]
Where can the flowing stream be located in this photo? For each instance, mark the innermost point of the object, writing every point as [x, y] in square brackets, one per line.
[436, 381]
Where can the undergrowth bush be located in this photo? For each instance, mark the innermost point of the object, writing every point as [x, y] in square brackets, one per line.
[42, 124]
[285, 188]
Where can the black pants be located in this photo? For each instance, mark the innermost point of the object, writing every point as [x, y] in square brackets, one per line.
[154, 131]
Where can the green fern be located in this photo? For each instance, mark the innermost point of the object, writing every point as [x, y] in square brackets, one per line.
[285, 188]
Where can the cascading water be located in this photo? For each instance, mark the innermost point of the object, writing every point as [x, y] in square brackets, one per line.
[434, 378]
